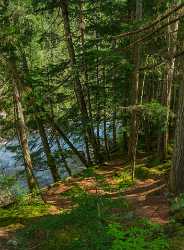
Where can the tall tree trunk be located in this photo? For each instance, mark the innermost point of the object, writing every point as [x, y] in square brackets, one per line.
[86, 121]
[114, 114]
[114, 132]
[105, 117]
[98, 114]
[133, 140]
[84, 64]
[50, 159]
[62, 155]
[177, 170]
[85, 74]
[21, 127]
[106, 137]
[167, 86]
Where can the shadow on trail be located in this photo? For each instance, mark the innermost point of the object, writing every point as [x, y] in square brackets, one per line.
[83, 227]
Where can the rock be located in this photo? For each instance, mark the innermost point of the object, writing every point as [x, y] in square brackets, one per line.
[6, 198]
[13, 243]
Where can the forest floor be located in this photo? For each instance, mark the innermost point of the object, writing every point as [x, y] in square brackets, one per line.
[88, 211]
[147, 197]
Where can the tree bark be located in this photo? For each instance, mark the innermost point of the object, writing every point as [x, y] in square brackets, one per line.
[21, 127]
[86, 121]
[133, 139]
[50, 159]
[62, 155]
[69, 143]
[114, 114]
[85, 74]
[177, 169]
[167, 86]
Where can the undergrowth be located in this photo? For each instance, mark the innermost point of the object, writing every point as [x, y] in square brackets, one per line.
[25, 208]
[95, 221]
[142, 235]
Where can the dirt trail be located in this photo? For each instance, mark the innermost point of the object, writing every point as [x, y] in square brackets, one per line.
[147, 198]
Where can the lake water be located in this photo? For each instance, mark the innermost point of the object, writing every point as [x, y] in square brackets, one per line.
[11, 163]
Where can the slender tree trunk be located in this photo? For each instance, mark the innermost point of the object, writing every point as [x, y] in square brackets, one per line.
[177, 170]
[167, 86]
[50, 159]
[22, 130]
[87, 150]
[69, 143]
[133, 140]
[62, 155]
[106, 138]
[105, 117]
[114, 132]
[84, 64]
[85, 74]
[77, 84]
[114, 114]
[98, 114]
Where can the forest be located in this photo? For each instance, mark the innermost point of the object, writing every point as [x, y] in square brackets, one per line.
[91, 124]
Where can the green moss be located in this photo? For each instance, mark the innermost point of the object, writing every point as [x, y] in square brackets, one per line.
[164, 168]
[144, 171]
[123, 180]
[25, 209]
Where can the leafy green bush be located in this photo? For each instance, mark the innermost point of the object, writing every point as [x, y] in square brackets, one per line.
[137, 238]
[155, 113]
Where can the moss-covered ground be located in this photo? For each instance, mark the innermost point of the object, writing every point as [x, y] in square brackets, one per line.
[87, 212]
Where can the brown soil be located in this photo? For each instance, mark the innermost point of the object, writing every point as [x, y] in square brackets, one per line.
[147, 197]
[149, 200]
